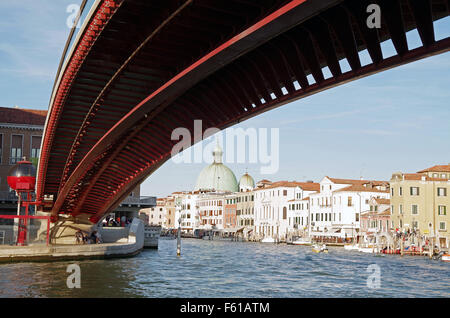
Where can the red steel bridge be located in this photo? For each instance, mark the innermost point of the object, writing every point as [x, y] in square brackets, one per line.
[139, 69]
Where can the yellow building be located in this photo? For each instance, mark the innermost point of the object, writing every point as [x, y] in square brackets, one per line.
[421, 201]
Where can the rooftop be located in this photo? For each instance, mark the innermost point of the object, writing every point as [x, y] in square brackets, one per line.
[22, 116]
[382, 201]
[307, 186]
[361, 188]
[420, 176]
[438, 168]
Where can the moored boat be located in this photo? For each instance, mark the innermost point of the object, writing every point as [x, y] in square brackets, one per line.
[445, 258]
[268, 240]
[368, 249]
[302, 241]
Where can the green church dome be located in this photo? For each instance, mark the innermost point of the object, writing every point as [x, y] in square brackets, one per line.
[217, 176]
[246, 183]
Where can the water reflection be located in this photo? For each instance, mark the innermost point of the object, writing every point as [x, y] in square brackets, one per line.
[228, 269]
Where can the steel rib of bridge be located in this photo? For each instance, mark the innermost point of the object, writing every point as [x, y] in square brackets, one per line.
[119, 143]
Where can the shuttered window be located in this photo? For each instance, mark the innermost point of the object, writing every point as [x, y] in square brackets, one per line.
[35, 146]
[16, 148]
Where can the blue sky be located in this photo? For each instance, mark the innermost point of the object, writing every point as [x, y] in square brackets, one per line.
[397, 120]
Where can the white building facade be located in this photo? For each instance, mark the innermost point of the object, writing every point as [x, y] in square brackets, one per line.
[272, 204]
[335, 211]
[211, 210]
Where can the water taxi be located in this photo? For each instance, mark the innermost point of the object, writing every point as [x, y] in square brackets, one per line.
[320, 249]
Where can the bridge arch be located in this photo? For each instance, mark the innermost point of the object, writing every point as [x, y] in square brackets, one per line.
[130, 81]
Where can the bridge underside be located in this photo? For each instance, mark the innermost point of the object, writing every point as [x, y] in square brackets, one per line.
[143, 68]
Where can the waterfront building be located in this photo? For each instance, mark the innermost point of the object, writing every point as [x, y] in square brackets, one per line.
[272, 203]
[245, 213]
[298, 215]
[335, 211]
[298, 208]
[421, 201]
[377, 220]
[157, 214]
[20, 136]
[186, 210]
[229, 214]
[211, 210]
[169, 219]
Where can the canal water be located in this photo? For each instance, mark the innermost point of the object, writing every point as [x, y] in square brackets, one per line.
[233, 269]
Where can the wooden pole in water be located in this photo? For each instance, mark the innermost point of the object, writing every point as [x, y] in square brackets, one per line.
[179, 238]
[431, 248]
[401, 246]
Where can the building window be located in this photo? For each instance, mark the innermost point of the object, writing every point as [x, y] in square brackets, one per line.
[442, 210]
[442, 192]
[392, 192]
[357, 217]
[415, 225]
[442, 226]
[400, 191]
[284, 192]
[35, 148]
[350, 201]
[16, 149]
[414, 190]
[414, 209]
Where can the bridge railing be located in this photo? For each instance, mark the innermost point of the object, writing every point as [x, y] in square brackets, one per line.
[76, 28]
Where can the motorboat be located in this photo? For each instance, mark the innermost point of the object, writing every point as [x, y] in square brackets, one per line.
[302, 241]
[445, 258]
[320, 249]
[268, 240]
[368, 249]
